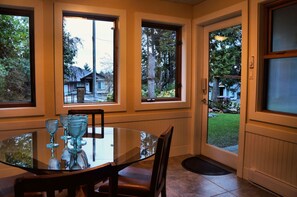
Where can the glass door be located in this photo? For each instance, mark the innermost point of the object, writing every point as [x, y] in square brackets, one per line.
[222, 80]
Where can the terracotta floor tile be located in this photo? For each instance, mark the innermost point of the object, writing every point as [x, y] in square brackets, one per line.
[183, 183]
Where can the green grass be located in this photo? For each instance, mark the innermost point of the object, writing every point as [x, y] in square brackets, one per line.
[223, 130]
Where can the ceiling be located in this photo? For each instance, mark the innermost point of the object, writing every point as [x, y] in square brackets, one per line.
[191, 2]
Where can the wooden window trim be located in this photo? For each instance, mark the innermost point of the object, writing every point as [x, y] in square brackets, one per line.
[268, 54]
[268, 10]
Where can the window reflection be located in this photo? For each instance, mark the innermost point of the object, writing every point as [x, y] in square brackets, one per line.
[284, 30]
[147, 146]
[18, 150]
[282, 83]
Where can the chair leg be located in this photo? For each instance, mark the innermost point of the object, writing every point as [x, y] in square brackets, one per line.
[163, 191]
[88, 190]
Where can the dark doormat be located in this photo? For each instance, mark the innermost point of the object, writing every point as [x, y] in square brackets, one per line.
[202, 166]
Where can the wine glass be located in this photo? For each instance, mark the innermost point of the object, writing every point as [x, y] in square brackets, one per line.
[65, 157]
[84, 128]
[64, 123]
[82, 159]
[75, 127]
[79, 161]
[52, 127]
[84, 119]
[53, 163]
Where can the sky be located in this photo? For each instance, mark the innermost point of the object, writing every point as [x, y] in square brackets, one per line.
[82, 28]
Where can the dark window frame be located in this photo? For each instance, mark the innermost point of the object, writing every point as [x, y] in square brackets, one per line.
[29, 13]
[267, 52]
[178, 71]
[115, 46]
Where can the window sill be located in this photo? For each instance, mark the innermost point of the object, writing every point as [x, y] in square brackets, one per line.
[141, 106]
[21, 112]
[107, 107]
[278, 119]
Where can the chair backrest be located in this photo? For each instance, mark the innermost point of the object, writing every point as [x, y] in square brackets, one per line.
[93, 112]
[158, 181]
[51, 183]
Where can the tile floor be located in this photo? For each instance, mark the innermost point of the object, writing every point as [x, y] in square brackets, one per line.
[183, 183]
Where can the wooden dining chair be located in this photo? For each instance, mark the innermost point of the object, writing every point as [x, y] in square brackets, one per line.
[136, 181]
[91, 112]
[66, 183]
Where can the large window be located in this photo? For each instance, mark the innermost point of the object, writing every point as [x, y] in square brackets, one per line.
[89, 58]
[161, 62]
[280, 57]
[17, 84]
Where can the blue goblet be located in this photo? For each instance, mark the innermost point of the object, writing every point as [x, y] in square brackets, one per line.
[84, 128]
[52, 127]
[84, 119]
[79, 161]
[53, 163]
[75, 126]
[65, 157]
[64, 123]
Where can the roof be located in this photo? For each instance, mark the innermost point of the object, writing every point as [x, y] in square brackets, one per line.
[76, 74]
[90, 76]
[79, 74]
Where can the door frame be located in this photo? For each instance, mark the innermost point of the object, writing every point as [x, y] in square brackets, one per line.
[240, 9]
[225, 157]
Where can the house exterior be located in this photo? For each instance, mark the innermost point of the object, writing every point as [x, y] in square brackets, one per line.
[232, 93]
[87, 82]
[82, 80]
[74, 80]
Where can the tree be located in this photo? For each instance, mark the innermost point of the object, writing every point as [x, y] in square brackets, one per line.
[70, 48]
[106, 63]
[158, 62]
[22, 147]
[149, 64]
[15, 70]
[87, 67]
[15, 63]
[224, 58]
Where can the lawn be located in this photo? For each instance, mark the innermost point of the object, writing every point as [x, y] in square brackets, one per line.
[223, 129]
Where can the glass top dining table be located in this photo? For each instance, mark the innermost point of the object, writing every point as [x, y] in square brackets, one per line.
[28, 150]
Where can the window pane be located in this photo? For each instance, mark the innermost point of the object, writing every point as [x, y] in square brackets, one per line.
[159, 63]
[16, 58]
[284, 28]
[88, 60]
[282, 83]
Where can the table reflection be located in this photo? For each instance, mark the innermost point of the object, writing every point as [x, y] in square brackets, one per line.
[54, 163]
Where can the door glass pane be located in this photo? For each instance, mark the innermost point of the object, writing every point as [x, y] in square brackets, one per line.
[284, 31]
[224, 87]
[282, 83]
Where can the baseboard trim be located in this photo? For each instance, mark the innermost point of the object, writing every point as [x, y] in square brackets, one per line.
[271, 183]
[179, 150]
